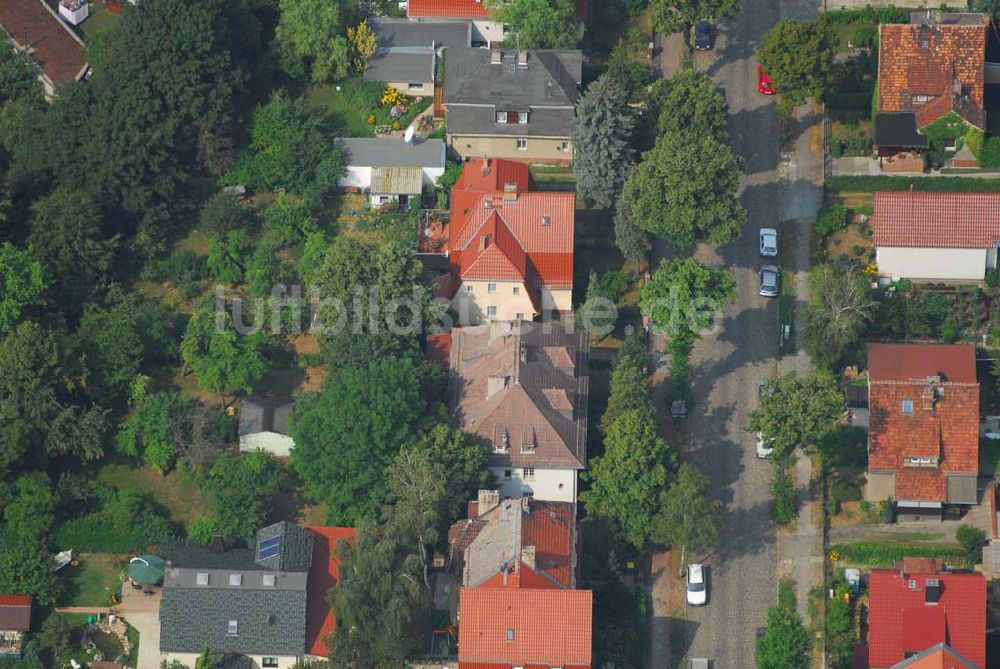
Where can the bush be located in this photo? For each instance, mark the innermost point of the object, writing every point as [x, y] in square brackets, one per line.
[869, 15]
[971, 538]
[783, 490]
[879, 554]
[126, 523]
[864, 36]
[845, 491]
[848, 100]
[832, 218]
[183, 269]
[870, 184]
[290, 220]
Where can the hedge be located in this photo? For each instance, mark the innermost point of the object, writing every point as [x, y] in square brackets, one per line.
[876, 554]
[870, 184]
[89, 535]
[869, 15]
[861, 101]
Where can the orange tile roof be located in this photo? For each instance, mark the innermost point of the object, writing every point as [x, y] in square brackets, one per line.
[324, 574]
[54, 47]
[451, 9]
[501, 230]
[943, 422]
[508, 628]
[940, 656]
[940, 60]
[939, 220]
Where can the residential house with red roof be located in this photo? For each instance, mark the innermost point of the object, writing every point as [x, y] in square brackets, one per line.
[521, 390]
[936, 237]
[15, 621]
[504, 628]
[57, 51]
[324, 575]
[515, 543]
[931, 74]
[923, 443]
[487, 30]
[510, 248]
[925, 619]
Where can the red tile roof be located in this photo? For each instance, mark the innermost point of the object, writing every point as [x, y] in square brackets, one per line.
[501, 230]
[466, 9]
[939, 220]
[943, 423]
[900, 622]
[551, 628]
[955, 363]
[439, 348]
[54, 47]
[15, 612]
[940, 656]
[941, 60]
[324, 574]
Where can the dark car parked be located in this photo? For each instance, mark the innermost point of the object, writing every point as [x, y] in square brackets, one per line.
[703, 36]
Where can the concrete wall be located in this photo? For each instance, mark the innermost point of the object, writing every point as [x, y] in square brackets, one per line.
[426, 87]
[538, 150]
[553, 485]
[932, 264]
[189, 659]
[269, 442]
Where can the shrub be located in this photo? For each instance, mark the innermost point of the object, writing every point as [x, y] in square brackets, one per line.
[846, 491]
[971, 538]
[880, 554]
[183, 269]
[864, 36]
[290, 220]
[832, 218]
[869, 15]
[783, 490]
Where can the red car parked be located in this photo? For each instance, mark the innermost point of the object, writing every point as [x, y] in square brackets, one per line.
[764, 84]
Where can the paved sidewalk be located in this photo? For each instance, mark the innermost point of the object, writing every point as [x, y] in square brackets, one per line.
[142, 612]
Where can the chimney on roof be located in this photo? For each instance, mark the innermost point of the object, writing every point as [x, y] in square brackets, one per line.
[488, 500]
[528, 556]
[522, 60]
[932, 591]
[218, 544]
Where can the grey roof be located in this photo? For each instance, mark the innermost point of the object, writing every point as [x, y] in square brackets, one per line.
[406, 49]
[550, 78]
[542, 122]
[296, 547]
[241, 555]
[397, 180]
[268, 622]
[265, 414]
[181, 553]
[391, 152]
[219, 579]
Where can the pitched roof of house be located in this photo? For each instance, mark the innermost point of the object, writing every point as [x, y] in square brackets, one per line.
[324, 574]
[937, 220]
[500, 372]
[517, 543]
[265, 414]
[282, 546]
[439, 348]
[902, 622]
[54, 47]
[937, 57]
[500, 230]
[391, 152]
[938, 656]
[406, 48]
[525, 627]
[15, 612]
[937, 384]
[465, 9]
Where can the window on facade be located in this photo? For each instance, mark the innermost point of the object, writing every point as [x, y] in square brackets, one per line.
[522, 144]
[907, 407]
[920, 99]
[950, 144]
[522, 117]
[269, 662]
[413, 87]
[491, 288]
[468, 288]
[233, 628]
[564, 146]
[491, 312]
[519, 316]
[506, 473]
[517, 290]
[528, 473]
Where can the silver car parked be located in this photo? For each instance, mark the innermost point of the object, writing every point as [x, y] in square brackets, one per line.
[769, 277]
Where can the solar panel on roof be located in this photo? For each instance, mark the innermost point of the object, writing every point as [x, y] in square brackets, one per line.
[268, 543]
[268, 552]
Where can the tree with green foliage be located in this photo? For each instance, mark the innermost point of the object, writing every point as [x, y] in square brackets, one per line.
[785, 507]
[26, 568]
[56, 636]
[242, 487]
[112, 341]
[227, 254]
[671, 16]
[602, 133]
[991, 7]
[684, 190]
[629, 379]
[465, 467]
[839, 312]
[292, 147]
[633, 242]
[149, 430]
[347, 435]
[598, 312]
[312, 38]
[626, 481]
[22, 285]
[416, 501]
[67, 237]
[221, 214]
[683, 297]
[798, 57]
[290, 220]
[786, 643]
[31, 514]
[538, 24]
[632, 75]
[222, 359]
[364, 43]
[205, 660]
[838, 627]
[263, 269]
[797, 411]
[688, 517]
[972, 540]
[688, 102]
[18, 77]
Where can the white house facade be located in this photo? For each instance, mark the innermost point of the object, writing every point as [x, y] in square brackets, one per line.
[545, 483]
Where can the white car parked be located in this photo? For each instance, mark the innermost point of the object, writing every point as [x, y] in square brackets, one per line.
[768, 242]
[697, 588]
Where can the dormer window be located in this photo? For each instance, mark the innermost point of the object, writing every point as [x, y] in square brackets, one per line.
[201, 578]
[501, 117]
[236, 580]
[233, 628]
[522, 117]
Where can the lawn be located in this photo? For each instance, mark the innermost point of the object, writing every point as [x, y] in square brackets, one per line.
[339, 104]
[96, 25]
[177, 491]
[92, 582]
